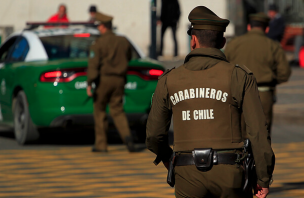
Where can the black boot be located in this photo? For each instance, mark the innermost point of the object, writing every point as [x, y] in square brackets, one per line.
[130, 144]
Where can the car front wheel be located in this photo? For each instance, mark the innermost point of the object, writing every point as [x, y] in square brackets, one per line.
[24, 129]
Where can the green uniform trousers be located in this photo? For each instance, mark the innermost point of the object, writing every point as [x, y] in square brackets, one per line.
[267, 100]
[222, 181]
[109, 91]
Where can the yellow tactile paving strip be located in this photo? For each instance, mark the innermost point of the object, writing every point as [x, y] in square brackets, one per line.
[76, 172]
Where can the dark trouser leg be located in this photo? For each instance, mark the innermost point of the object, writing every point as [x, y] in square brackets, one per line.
[222, 181]
[101, 127]
[297, 45]
[116, 109]
[267, 101]
[100, 117]
[174, 39]
[163, 30]
[226, 181]
[188, 183]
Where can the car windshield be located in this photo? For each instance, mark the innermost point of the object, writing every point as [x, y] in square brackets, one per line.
[71, 46]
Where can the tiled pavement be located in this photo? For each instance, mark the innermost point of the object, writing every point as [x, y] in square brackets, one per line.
[289, 170]
[290, 104]
[76, 172]
[289, 114]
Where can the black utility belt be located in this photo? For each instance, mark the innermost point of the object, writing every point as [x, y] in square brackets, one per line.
[203, 159]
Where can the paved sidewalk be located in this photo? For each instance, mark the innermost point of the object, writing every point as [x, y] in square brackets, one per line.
[290, 99]
[75, 172]
[289, 171]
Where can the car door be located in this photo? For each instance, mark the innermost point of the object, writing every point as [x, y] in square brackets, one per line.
[5, 50]
[14, 51]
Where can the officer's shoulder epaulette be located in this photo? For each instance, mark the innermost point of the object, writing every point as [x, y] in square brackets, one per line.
[165, 73]
[243, 67]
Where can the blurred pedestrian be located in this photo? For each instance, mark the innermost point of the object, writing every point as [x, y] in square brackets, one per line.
[264, 57]
[60, 16]
[92, 12]
[170, 13]
[206, 96]
[298, 44]
[108, 64]
[276, 25]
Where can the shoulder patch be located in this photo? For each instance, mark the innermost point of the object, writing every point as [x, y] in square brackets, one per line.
[165, 73]
[243, 67]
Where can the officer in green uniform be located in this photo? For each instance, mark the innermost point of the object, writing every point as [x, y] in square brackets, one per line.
[108, 63]
[264, 57]
[206, 96]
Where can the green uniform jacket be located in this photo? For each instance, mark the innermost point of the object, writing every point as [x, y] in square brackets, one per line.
[243, 89]
[263, 56]
[109, 56]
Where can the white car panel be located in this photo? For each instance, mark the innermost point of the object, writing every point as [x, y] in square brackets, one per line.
[36, 48]
[36, 51]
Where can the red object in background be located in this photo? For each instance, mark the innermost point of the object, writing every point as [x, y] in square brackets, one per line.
[65, 75]
[82, 35]
[53, 74]
[301, 57]
[55, 18]
[289, 35]
[145, 73]
[156, 72]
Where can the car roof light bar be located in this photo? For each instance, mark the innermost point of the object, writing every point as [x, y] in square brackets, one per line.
[34, 25]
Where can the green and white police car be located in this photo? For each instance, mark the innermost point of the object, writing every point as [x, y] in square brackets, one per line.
[43, 81]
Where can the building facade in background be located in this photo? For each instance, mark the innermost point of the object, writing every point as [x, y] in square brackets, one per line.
[131, 17]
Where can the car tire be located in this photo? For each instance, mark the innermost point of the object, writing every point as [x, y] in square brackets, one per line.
[24, 129]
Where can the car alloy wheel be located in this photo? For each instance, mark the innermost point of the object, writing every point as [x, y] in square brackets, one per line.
[24, 129]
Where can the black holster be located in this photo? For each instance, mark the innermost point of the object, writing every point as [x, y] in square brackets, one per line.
[171, 176]
[250, 179]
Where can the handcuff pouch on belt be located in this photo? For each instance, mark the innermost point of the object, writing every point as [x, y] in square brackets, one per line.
[203, 159]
